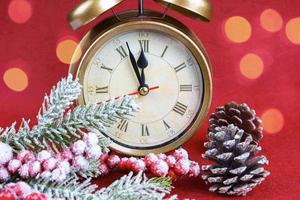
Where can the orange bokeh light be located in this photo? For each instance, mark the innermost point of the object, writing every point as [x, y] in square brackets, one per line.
[273, 121]
[238, 29]
[65, 51]
[19, 11]
[271, 20]
[292, 30]
[251, 66]
[16, 79]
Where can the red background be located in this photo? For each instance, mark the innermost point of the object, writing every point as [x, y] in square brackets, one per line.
[31, 46]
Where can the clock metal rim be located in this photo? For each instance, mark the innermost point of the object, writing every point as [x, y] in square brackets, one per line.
[100, 36]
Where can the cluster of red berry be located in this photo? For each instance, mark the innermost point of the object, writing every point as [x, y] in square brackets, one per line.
[48, 165]
[175, 165]
[20, 191]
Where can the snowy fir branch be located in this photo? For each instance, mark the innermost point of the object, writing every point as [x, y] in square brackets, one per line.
[58, 126]
[128, 187]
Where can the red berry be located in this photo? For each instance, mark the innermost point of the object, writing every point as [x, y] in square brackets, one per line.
[138, 166]
[103, 169]
[160, 168]
[171, 160]
[181, 154]
[182, 167]
[150, 159]
[103, 158]
[112, 161]
[7, 194]
[123, 164]
[172, 175]
[36, 196]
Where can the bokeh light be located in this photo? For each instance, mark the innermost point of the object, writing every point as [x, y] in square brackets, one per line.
[273, 121]
[15, 79]
[251, 66]
[292, 30]
[271, 20]
[238, 29]
[19, 11]
[65, 51]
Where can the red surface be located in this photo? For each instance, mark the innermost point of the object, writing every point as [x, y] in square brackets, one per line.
[31, 46]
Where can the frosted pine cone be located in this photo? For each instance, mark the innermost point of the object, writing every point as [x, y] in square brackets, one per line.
[236, 170]
[241, 115]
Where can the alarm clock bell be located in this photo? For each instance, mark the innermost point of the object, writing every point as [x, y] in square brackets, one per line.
[88, 10]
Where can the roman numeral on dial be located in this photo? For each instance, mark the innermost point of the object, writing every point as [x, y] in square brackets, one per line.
[122, 52]
[167, 126]
[186, 88]
[106, 68]
[180, 108]
[145, 130]
[144, 45]
[180, 67]
[101, 90]
[123, 125]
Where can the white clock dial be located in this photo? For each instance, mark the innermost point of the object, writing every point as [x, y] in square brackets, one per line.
[166, 112]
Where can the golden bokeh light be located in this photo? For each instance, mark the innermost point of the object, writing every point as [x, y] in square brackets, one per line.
[292, 30]
[65, 51]
[238, 29]
[271, 20]
[15, 79]
[273, 121]
[251, 66]
[19, 11]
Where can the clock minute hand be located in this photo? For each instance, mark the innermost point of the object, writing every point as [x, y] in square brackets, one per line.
[134, 65]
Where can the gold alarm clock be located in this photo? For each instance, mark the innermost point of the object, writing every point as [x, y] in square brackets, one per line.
[150, 54]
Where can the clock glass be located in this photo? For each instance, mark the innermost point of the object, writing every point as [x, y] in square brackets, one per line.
[172, 73]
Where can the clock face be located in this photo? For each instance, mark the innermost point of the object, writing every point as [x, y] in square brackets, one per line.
[174, 75]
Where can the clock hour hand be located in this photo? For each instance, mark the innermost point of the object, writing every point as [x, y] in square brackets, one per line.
[142, 64]
[134, 65]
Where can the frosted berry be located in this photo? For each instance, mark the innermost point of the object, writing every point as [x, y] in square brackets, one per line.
[80, 163]
[34, 168]
[67, 154]
[4, 174]
[45, 175]
[162, 156]
[6, 153]
[64, 166]
[103, 158]
[181, 154]
[93, 152]
[7, 194]
[138, 166]
[36, 196]
[123, 164]
[171, 160]
[172, 175]
[194, 169]
[112, 161]
[24, 171]
[29, 157]
[103, 169]
[91, 139]
[160, 168]
[21, 155]
[58, 175]
[14, 165]
[22, 189]
[49, 164]
[150, 159]
[78, 147]
[182, 167]
[43, 155]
